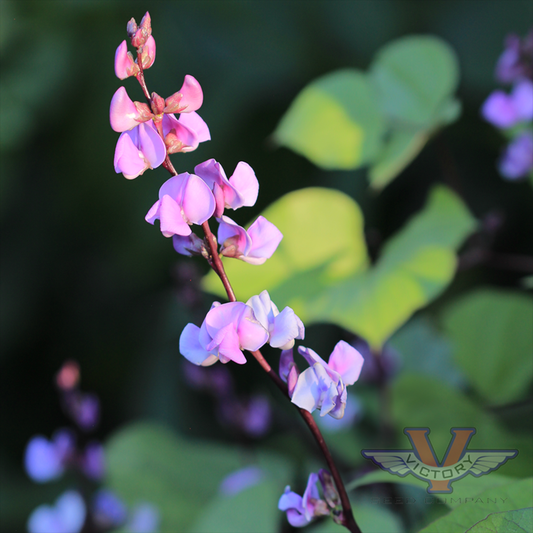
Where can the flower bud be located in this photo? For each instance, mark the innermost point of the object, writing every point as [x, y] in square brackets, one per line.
[131, 28]
[142, 34]
[158, 104]
[124, 63]
[331, 494]
[148, 53]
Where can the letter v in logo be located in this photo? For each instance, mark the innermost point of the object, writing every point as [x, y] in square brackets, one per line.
[424, 451]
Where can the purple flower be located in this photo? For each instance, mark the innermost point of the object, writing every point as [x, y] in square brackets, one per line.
[282, 327]
[517, 160]
[516, 61]
[505, 110]
[226, 331]
[184, 199]
[352, 414]
[239, 190]
[108, 510]
[257, 416]
[144, 519]
[184, 134]
[67, 516]
[93, 461]
[323, 385]
[188, 245]
[45, 460]
[241, 480]
[254, 246]
[138, 150]
[301, 510]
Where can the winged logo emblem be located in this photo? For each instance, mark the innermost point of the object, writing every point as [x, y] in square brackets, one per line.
[422, 462]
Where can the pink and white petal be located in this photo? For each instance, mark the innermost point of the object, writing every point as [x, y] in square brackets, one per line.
[221, 315]
[286, 329]
[251, 333]
[198, 202]
[193, 96]
[311, 356]
[122, 61]
[128, 158]
[245, 183]
[347, 361]
[229, 347]
[174, 187]
[190, 346]
[149, 49]
[265, 238]
[307, 391]
[122, 112]
[171, 219]
[151, 144]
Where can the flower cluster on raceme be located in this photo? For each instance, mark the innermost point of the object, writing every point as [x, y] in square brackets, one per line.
[513, 112]
[150, 132]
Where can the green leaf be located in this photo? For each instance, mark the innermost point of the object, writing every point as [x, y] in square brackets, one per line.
[467, 487]
[400, 149]
[513, 496]
[519, 521]
[253, 509]
[492, 342]
[420, 401]
[415, 76]
[147, 462]
[335, 121]
[323, 274]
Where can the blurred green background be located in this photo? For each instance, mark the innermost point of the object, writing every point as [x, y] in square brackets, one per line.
[84, 277]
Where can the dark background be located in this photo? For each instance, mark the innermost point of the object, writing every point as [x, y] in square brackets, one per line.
[84, 277]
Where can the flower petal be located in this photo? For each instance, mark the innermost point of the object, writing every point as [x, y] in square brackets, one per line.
[122, 112]
[347, 361]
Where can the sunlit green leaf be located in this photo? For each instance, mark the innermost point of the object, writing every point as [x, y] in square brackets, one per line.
[513, 496]
[492, 342]
[323, 275]
[414, 77]
[335, 121]
[519, 521]
[400, 149]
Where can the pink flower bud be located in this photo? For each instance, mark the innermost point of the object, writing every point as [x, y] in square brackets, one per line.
[140, 37]
[189, 98]
[131, 28]
[148, 53]
[123, 113]
[124, 64]
[158, 103]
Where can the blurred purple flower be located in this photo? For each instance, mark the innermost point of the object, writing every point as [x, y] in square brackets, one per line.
[517, 160]
[241, 480]
[516, 61]
[45, 460]
[505, 110]
[144, 518]
[93, 461]
[108, 510]
[67, 516]
[257, 416]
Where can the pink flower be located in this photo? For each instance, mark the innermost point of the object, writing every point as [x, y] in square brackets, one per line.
[254, 246]
[183, 200]
[226, 331]
[125, 114]
[189, 98]
[138, 150]
[323, 385]
[184, 134]
[240, 190]
[124, 63]
[148, 53]
[282, 327]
